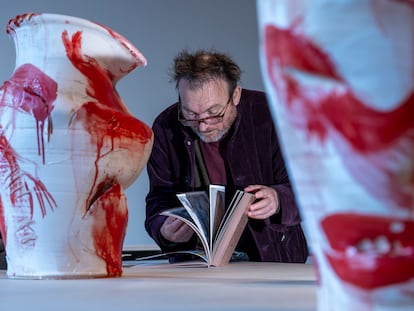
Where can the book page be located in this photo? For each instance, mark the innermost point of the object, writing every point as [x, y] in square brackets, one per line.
[217, 202]
[231, 229]
[234, 201]
[182, 214]
[197, 205]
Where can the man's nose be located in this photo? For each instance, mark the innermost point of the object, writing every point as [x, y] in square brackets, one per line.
[202, 126]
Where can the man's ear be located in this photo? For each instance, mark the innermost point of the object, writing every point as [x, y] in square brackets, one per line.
[236, 95]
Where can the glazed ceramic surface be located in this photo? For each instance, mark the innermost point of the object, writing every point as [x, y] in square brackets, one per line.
[68, 148]
[339, 75]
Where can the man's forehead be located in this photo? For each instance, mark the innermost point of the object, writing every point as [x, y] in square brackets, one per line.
[196, 85]
[208, 94]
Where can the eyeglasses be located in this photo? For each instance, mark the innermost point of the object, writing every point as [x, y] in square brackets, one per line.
[209, 120]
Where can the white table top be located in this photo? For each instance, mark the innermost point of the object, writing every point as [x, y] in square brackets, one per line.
[157, 285]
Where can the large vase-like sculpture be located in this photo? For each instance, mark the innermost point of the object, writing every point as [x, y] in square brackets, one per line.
[68, 148]
[340, 76]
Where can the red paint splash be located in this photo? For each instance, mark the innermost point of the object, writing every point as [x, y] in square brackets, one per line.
[365, 128]
[370, 269]
[99, 79]
[110, 125]
[377, 136]
[379, 141]
[291, 50]
[33, 92]
[28, 91]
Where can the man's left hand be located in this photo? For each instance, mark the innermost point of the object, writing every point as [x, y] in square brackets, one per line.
[266, 204]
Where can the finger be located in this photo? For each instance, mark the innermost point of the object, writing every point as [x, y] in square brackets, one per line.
[260, 214]
[184, 229]
[171, 225]
[259, 210]
[181, 225]
[253, 188]
[183, 234]
[170, 220]
[262, 209]
[257, 205]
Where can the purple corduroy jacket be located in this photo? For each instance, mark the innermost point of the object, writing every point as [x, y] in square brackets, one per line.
[253, 156]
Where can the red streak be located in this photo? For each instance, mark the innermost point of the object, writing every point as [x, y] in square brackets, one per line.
[290, 50]
[100, 80]
[102, 123]
[109, 228]
[382, 137]
[365, 128]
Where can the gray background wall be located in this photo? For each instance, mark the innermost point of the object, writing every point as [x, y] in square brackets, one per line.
[160, 29]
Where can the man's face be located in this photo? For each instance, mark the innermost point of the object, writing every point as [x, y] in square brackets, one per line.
[209, 100]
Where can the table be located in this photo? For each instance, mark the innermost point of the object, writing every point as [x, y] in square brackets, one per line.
[157, 285]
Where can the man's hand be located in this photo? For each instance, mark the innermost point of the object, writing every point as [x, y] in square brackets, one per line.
[266, 204]
[176, 231]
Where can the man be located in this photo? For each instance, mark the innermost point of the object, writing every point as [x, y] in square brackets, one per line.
[219, 133]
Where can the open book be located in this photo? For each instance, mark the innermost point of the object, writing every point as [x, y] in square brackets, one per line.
[218, 228]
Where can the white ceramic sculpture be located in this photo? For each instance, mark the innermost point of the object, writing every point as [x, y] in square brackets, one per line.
[340, 78]
[68, 148]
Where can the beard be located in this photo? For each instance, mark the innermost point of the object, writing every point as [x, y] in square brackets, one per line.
[213, 138]
[209, 137]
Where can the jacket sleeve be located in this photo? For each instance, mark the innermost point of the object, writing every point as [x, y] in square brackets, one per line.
[255, 157]
[164, 184]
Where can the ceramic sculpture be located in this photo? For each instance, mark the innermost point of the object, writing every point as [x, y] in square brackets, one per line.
[68, 148]
[339, 75]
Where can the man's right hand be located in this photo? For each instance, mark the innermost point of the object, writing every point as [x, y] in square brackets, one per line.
[175, 230]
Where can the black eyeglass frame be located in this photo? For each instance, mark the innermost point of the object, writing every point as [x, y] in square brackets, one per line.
[211, 120]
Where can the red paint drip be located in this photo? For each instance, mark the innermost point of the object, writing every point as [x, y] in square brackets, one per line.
[100, 80]
[109, 227]
[34, 92]
[112, 128]
[107, 118]
[370, 269]
[109, 125]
